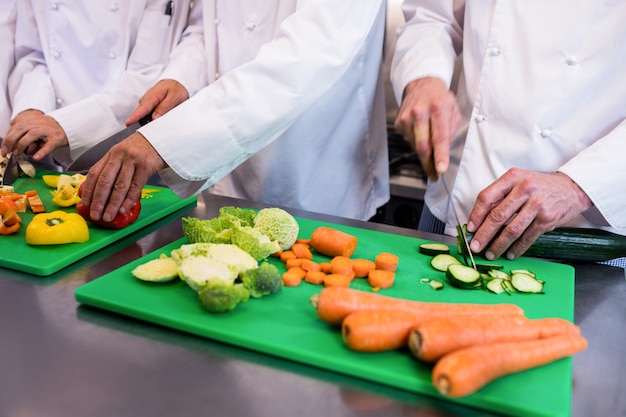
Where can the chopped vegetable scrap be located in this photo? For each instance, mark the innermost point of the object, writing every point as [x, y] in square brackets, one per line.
[10, 220]
[66, 188]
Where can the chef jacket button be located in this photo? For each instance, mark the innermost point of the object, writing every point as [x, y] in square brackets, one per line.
[480, 118]
[59, 101]
[251, 26]
[114, 7]
[112, 55]
[546, 133]
[217, 75]
[571, 61]
[216, 21]
[495, 51]
[55, 54]
[54, 6]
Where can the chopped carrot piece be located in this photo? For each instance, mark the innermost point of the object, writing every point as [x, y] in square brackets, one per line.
[337, 280]
[293, 262]
[381, 278]
[310, 265]
[315, 277]
[287, 254]
[341, 265]
[291, 279]
[302, 251]
[362, 267]
[387, 261]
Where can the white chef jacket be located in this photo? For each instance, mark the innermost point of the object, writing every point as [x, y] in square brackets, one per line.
[542, 88]
[87, 63]
[294, 112]
[7, 59]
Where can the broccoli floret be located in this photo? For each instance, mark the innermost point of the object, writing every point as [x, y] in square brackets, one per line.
[262, 281]
[279, 225]
[218, 296]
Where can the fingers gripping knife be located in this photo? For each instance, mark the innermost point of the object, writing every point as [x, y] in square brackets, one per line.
[459, 229]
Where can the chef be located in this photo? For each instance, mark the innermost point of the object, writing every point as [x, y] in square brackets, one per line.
[293, 114]
[7, 60]
[82, 66]
[535, 136]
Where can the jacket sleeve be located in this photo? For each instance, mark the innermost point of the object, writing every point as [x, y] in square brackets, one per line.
[98, 116]
[250, 106]
[428, 43]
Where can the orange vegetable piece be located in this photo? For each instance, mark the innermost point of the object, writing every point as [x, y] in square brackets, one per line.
[291, 278]
[310, 265]
[333, 304]
[430, 341]
[315, 277]
[337, 280]
[362, 267]
[341, 265]
[293, 262]
[387, 261]
[332, 242]
[381, 278]
[287, 254]
[298, 271]
[301, 251]
[465, 371]
[325, 266]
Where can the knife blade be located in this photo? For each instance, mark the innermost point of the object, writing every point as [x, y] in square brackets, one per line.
[92, 155]
[9, 170]
[459, 229]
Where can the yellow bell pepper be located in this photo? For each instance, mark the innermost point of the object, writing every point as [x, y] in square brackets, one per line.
[56, 228]
[66, 196]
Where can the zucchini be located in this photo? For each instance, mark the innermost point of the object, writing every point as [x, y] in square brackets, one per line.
[463, 276]
[442, 261]
[496, 273]
[496, 285]
[488, 267]
[432, 249]
[523, 282]
[433, 283]
[573, 244]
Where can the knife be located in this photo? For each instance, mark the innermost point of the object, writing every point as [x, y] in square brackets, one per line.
[9, 170]
[92, 155]
[459, 229]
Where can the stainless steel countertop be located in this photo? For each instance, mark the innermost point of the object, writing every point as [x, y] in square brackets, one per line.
[62, 359]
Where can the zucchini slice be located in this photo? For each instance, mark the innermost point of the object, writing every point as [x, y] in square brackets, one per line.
[432, 249]
[523, 282]
[496, 273]
[496, 286]
[442, 261]
[463, 276]
[488, 267]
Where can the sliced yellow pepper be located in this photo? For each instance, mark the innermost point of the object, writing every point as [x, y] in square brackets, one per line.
[66, 196]
[56, 228]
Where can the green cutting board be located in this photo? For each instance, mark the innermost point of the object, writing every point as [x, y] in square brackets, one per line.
[16, 254]
[285, 324]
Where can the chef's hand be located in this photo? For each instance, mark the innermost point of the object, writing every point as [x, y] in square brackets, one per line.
[429, 117]
[158, 100]
[524, 204]
[115, 181]
[33, 133]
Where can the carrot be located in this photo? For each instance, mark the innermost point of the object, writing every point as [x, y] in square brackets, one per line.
[304, 241]
[302, 251]
[298, 271]
[431, 340]
[315, 277]
[380, 278]
[341, 265]
[387, 261]
[334, 304]
[362, 267]
[277, 253]
[332, 242]
[337, 280]
[310, 265]
[325, 267]
[466, 370]
[293, 262]
[291, 278]
[378, 330]
[381, 330]
[287, 254]
[36, 205]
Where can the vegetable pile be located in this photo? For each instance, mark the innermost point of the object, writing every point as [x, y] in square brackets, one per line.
[470, 344]
[222, 261]
[339, 269]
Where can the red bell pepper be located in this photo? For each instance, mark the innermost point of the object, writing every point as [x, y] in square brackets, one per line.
[119, 221]
[10, 221]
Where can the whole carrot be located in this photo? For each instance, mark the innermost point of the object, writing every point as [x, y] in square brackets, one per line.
[334, 304]
[381, 330]
[332, 242]
[431, 340]
[378, 330]
[466, 370]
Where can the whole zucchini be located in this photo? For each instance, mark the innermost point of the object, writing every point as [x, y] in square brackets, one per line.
[573, 244]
